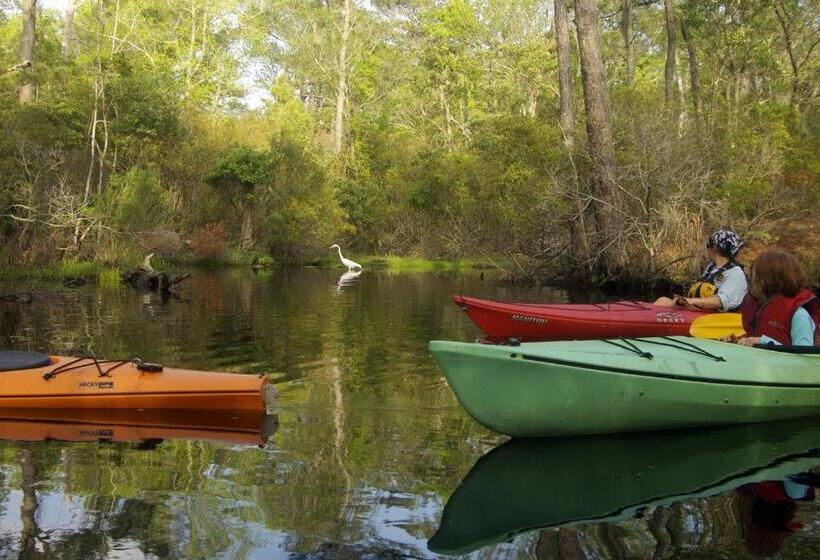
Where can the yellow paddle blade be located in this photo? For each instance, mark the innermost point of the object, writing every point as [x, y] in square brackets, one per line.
[717, 325]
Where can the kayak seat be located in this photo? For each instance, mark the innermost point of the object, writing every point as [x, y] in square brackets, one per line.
[14, 360]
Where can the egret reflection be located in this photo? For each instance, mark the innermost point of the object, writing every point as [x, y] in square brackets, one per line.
[348, 279]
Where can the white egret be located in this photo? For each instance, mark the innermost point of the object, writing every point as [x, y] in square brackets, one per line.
[351, 265]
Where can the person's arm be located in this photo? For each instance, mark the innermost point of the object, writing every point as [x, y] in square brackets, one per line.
[802, 328]
[711, 302]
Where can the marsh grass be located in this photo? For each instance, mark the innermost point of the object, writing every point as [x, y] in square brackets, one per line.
[61, 270]
[415, 264]
[109, 274]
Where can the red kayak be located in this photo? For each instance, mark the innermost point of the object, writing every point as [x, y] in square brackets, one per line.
[570, 321]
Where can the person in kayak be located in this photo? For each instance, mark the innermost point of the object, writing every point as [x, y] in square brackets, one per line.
[779, 309]
[723, 284]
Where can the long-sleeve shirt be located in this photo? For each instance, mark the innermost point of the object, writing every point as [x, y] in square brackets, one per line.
[731, 288]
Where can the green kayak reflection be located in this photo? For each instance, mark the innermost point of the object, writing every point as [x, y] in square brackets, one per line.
[531, 484]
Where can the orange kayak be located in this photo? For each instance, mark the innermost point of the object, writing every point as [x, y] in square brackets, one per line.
[29, 380]
[145, 426]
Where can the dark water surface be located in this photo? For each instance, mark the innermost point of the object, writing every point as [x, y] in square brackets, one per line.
[370, 446]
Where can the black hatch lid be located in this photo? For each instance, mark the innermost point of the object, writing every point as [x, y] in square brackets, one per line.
[11, 360]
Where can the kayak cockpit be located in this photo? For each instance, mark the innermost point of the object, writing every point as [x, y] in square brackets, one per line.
[11, 360]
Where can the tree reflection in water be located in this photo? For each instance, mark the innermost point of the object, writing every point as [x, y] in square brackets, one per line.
[371, 443]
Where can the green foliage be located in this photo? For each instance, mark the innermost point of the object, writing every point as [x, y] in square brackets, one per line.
[241, 167]
[449, 128]
[303, 215]
[136, 201]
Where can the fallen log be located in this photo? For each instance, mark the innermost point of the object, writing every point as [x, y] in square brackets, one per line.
[145, 278]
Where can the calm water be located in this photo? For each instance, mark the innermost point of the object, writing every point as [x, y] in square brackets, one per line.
[372, 456]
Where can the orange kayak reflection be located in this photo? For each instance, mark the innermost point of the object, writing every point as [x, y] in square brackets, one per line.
[146, 426]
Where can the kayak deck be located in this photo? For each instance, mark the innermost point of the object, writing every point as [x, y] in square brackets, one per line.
[71, 383]
[543, 322]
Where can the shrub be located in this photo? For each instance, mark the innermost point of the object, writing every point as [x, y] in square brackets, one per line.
[208, 241]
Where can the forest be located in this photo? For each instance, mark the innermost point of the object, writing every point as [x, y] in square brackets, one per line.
[585, 139]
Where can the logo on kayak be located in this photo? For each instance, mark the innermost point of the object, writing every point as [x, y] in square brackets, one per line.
[101, 433]
[669, 317]
[96, 384]
[528, 319]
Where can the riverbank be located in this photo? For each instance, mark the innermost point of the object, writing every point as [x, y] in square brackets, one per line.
[111, 272]
[800, 237]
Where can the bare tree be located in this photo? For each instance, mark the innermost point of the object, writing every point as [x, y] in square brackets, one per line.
[599, 133]
[29, 7]
[68, 29]
[669, 74]
[626, 35]
[344, 70]
[801, 35]
[694, 66]
[567, 117]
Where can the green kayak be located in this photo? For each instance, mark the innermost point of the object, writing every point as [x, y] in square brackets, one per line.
[624, 385]
[533, 484]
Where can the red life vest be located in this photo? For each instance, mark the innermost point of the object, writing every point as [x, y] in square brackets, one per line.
[774, 317]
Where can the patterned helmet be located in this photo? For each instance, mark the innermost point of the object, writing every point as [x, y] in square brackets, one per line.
[727, 241]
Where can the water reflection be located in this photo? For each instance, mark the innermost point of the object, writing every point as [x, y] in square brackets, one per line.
[349, 278]
[525, 485]
[145, 427]
[371, 441]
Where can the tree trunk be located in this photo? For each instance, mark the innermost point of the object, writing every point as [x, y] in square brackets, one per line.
[567, 118]
[780, 11]
[189, 66]
[445, 107]
[669, 74]
[246, 234]
[28, 505]
[29, 7]
[599, 134]
[341, 90]
[694, 67]
[626, 35]
[68, 29]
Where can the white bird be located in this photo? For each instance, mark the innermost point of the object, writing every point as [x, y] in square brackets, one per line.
[351, 265]
[146, 265]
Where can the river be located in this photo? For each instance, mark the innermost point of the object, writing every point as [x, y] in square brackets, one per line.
[369, 443]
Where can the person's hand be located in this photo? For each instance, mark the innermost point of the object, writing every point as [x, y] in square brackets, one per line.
[733, 338]
[749, 340]
[686, 303]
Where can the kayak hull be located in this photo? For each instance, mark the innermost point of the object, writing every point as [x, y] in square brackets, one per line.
[589, 387]
[127, 387]
[535, 322]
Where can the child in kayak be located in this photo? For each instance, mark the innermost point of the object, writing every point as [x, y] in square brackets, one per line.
[779, 309]
[723, 284]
